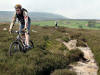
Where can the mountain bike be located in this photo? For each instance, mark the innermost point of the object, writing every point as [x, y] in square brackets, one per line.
[19, 44]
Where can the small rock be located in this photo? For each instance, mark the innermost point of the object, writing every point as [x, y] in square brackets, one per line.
[67, 33]
[34, 31]
[4, 29]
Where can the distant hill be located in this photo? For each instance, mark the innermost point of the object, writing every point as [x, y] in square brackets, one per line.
[5, 16]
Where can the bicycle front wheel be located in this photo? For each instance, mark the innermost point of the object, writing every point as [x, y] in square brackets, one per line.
[14, 47]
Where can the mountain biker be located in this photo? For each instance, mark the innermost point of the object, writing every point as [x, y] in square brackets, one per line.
[22, 15]
[56, 24]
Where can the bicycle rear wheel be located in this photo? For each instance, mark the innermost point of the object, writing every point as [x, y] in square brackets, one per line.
[31, 44]
[14, 47]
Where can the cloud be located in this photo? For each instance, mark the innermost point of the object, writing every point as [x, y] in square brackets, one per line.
[70, 8]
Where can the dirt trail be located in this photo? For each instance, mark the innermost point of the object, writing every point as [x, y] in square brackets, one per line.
[88, 68]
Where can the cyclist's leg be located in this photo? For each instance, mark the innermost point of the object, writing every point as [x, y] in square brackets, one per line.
[27, 34]
[20, 29]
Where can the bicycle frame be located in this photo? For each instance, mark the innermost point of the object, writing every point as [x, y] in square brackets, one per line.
[19, 44]
[19, 37]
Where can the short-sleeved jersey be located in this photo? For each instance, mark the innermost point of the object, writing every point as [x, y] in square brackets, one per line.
[21, 16]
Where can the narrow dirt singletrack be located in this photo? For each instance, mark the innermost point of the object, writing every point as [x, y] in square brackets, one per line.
[83, 68]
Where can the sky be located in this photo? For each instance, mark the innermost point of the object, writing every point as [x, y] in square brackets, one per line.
[76, 9]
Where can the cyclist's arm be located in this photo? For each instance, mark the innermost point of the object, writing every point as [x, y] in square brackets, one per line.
[26, 18]
[13, 21]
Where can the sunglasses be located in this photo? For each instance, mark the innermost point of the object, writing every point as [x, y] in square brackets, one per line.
[17, 10]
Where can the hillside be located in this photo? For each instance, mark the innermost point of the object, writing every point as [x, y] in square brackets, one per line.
[5, 16]
[50, 56]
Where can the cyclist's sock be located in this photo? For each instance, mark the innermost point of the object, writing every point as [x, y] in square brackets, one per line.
[27, 45]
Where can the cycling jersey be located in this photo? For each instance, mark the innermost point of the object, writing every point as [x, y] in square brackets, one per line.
[21, 18]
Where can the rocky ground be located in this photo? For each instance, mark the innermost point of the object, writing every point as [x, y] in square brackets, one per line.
[83, 68]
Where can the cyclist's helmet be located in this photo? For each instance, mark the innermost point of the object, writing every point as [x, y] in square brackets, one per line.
[18, 6]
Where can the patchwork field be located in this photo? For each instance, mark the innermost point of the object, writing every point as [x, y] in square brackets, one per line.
[68, 23]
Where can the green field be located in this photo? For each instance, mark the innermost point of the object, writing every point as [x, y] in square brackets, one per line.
[67, 23]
